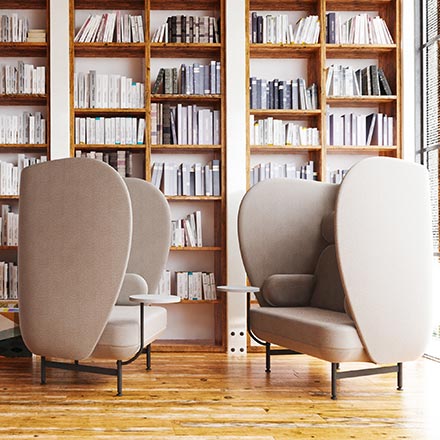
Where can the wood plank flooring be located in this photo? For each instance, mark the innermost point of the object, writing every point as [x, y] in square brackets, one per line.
[192, 396]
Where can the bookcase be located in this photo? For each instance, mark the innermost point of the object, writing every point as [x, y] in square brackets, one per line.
[332, 150]
[330, 155]
[197, 325]
[24, 122]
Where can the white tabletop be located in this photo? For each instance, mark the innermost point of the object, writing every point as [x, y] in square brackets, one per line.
[155, 299]
[237, 289]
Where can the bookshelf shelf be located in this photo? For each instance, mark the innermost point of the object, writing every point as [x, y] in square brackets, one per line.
[195, 198]
[17, 147]
[187, 345]
[196, 249]
[283, 51]
[203, 5]
[358, 5]
[102, 147]
[361, 149]
[23, 50]
[358, 51]
[106, 5]
[257, 149]
[109, 50]
[109, 112]
[8, 197]
[359, 101]
[185, 50]
[184, 148]
[286, 114]
[23, 99]
[8, 248]
[283, 5]
[19, 4]
[187, 99]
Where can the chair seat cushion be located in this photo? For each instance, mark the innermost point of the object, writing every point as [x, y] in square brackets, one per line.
[325, 334]
[121, 336]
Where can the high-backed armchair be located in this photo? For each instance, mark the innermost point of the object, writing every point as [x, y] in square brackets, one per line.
[344, 271]
[77, 219]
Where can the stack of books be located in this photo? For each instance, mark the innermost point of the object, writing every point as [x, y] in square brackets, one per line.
[26, 128]
[121, 160]
[36, 36]
[196, 285]
[13, 29]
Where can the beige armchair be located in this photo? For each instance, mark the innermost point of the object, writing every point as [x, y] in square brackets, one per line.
[77, 219]
[344, 271]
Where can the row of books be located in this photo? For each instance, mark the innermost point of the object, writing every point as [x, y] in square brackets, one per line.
[13, 29]
[8, 227]
[187, 231]
[345, 81]
[196, 285]
[111, 27]
[99, 90]
[275, 29]
[187, 179]
[110, 131]
[184, 125]
[10, 173]
[121, 160]
[8, 280]
[272, 170]
[280, 94]
[336, 176]
[360, 29]
[188, 29]
[22, 79]
[362, 130]
[272, 131]
[25, 128]
[196, 79]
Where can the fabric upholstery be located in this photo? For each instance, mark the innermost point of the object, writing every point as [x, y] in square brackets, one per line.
[288, 290]
[278, 212]
[121, 336]
[328, 227]
[384, 246]
[328, 292]
[75, 233]
[325, 334]
[151, 231]
[133, 284]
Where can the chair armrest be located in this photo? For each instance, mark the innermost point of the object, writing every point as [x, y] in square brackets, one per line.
[288, 290]
[133, 284]
[238, 289]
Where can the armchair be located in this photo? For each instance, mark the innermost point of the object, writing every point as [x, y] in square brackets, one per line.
[343, 270]
[81, 228]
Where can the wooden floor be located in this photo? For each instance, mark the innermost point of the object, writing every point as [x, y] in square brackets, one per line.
[213, 396]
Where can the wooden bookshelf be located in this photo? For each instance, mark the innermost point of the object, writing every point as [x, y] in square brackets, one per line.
[148, 56]
[315, 59]
[37, 54]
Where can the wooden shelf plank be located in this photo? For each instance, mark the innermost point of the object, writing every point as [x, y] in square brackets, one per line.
[8, 248]
[89, 147]
[197, 249]
[256, 149]
[23, 49]
[186, 98]
[23, 147]
[179, 50]
[202, 5]
[8, 197]
[359, 101]
[105, 5]
[163, 345]
[283, 5]
[20, 4]
[361, 149]
[23, 99]
[283, 51]
[194, 198]
[171, 148]
[110, 111]
[110, 50]
[285, 114]
[358, 50]
[358, 5]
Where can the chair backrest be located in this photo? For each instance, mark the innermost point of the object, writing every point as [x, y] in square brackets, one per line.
[279, 227]
[75, 235]
[384, 247]
[151, 231]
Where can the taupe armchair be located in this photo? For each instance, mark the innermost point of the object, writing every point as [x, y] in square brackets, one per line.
[344, 271]
[77, 220]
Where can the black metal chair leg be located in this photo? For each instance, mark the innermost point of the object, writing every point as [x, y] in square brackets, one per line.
[335, 367]
[148, 352]
[43, 370]
[119, 375]
[399, 376]
[267, 357]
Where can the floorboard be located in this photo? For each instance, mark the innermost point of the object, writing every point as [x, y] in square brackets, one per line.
[192, 396]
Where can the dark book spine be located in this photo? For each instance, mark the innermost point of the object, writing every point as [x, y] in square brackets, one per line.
[384, 85]
[260, 29]
[159, 81]
[276, 102]
[375, 88]
[166, 124]
[254, 27]
[184, 35]
[173, 32]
